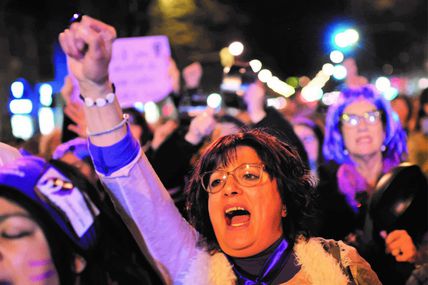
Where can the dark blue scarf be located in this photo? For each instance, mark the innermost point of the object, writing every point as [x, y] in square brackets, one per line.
[271, 268]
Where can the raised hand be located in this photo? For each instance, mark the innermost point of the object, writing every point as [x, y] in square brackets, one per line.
[201, 126]
[88, 46]
[401, 246]
[74, 110]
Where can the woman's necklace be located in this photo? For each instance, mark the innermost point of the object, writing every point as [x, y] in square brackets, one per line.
[269, 271]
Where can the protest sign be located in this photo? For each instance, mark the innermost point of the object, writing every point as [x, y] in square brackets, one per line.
[139, 69]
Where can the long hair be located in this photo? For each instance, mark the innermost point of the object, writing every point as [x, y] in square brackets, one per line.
[423, 99]
[295, 185]
[395, 137]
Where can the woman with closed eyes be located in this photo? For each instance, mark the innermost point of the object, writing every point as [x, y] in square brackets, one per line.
[54, 230]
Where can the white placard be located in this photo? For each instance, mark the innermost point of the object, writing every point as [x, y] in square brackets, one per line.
[139, 69]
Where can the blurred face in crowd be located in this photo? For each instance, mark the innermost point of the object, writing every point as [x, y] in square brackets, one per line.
[309, 140]
[362, 128]
[246, 208]
[24, 252]
[400, 107]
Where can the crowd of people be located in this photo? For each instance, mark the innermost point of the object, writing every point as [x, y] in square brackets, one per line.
[229, 196]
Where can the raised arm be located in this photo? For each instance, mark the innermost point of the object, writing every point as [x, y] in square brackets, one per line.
[88, 46]
[139, 196]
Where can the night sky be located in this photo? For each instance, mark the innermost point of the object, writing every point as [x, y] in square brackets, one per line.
[290, 36]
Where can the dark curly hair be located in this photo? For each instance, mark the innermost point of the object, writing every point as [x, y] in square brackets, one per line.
[282, 162]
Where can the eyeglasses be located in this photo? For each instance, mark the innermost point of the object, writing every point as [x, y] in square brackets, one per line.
[353, 120]
[247, 174]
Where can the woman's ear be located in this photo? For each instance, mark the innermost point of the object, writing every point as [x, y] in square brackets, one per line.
[79, 264]
[283, 211]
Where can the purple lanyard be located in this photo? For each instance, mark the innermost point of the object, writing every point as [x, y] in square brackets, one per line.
[270, 270]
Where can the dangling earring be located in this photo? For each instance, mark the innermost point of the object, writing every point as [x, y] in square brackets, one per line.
[283, 211]
[79, 264]
[382, 148]
[345, 152]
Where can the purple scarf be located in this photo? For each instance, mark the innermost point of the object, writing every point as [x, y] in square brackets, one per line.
[351, 182]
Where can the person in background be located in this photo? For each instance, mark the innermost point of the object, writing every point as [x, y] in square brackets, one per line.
[403, 106]
[418, 139]
[366, 141]
[53, 230]
[268, 118]
[312, 138]
[250, 195]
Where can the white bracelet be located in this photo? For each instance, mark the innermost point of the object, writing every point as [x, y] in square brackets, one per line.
[99, 102]
[115, 128]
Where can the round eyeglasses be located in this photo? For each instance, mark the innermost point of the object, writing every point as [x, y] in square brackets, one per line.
[247, 174]
[353, 120]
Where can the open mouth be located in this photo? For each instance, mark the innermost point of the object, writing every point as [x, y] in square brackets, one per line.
[237, 216]
[5, 282]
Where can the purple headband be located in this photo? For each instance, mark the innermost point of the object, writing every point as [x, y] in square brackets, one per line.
[44, 185]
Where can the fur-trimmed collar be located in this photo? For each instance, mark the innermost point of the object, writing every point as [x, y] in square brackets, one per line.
[317, 266]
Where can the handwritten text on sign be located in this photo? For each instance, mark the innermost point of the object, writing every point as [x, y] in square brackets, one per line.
[139, 69]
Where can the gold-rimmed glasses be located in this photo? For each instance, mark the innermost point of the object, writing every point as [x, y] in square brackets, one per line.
[247, 175]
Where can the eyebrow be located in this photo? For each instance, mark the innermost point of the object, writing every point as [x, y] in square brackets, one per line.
[370, 111]
[17, 214]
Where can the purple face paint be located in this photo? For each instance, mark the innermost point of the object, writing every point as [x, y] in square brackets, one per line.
[40, 262]
[43, 276]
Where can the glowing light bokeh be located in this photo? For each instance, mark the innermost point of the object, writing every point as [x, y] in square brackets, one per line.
[311, 93]
[339, 72]
[292, 81]
[264, 75]
[45, 94]
[346, 38]
[151, 112]
[256, 65]
[423, 83]
[336, 56]
[17, 89]
[214, 100]
[236, 48]
[382, 84]
[46, 120]
[20, 106]
[22, 126]
[328, 69]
